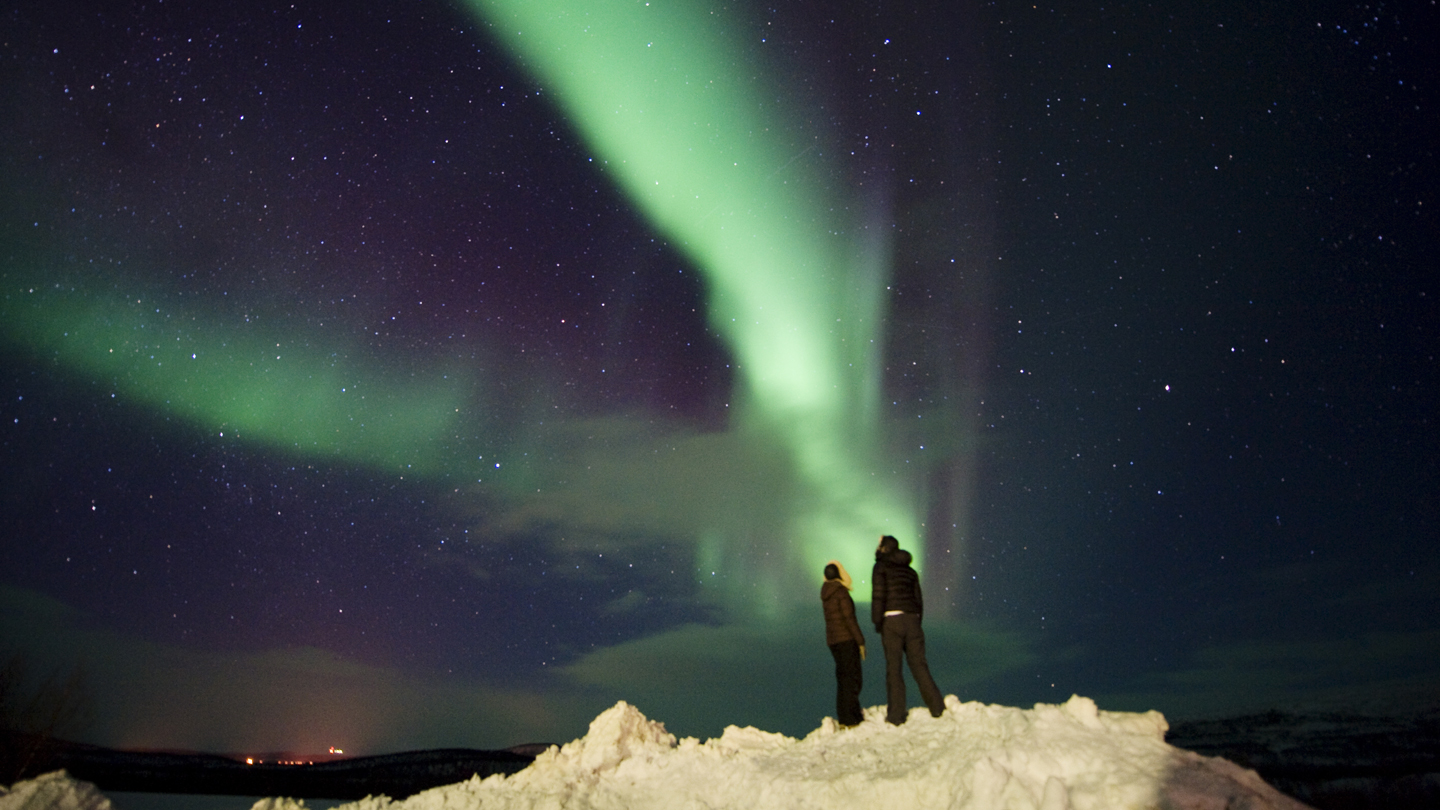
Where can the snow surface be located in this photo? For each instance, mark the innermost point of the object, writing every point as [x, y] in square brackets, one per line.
[52, 791]
[975, 757]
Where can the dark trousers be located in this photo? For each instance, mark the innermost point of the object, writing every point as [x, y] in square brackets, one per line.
[847, 682]
[902, 635]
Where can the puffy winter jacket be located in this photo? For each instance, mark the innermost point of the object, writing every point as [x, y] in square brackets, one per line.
[840, 623]
[895, 586]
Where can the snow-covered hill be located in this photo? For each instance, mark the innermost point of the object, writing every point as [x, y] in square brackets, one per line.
[975, 757]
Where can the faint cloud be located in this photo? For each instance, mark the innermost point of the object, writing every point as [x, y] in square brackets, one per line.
[628, 603]
[610, 481]
[587, 492]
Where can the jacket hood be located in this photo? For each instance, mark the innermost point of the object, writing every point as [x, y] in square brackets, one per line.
[899, 557]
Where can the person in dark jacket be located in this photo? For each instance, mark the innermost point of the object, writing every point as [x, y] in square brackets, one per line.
[896, 607]
[847, 645]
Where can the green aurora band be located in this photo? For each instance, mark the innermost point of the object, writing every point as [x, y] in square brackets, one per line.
[667, 101]
[668, 104]
[246, 384]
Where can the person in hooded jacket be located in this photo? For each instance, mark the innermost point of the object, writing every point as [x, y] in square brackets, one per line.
[847, 645]
[896, 607]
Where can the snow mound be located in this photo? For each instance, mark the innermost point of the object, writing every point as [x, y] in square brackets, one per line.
[975, 757]
[53, 791]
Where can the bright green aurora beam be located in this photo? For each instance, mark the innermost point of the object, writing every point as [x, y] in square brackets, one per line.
[667, 100]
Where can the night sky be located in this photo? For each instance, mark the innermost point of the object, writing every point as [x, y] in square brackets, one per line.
[417, 375]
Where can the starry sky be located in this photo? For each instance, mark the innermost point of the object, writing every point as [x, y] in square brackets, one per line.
[397, 376]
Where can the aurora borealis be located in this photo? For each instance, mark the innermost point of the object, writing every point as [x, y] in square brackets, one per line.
[313, 406]
[437, 376]
[791, 287]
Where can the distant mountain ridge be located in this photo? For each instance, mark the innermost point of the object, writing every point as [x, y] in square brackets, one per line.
[1330, 759]
[396, 775]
